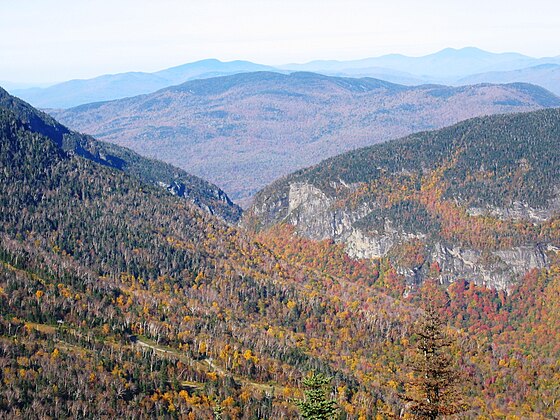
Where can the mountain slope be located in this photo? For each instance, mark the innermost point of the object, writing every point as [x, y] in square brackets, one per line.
[478, 200]
[244, 131]
[205, 69]
[177, 181]
[121, 85]
[119, 300]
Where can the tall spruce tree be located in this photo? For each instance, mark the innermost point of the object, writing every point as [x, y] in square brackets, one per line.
[315, 405]
[433, 390]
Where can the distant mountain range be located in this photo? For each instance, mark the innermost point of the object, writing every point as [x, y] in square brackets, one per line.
[116, 86]
[246, 130]
[449, 66]
[197, 191]
[444, 66]
[545, 75]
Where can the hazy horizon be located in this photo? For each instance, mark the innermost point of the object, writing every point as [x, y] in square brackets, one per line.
[31, 83]
[59, 40]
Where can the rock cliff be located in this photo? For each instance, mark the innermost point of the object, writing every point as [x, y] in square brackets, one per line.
[490, 227]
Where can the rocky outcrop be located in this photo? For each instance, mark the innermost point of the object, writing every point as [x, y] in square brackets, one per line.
[453, 198]
[497, 269]
[521, 211]
[315, 215]
[360, 245]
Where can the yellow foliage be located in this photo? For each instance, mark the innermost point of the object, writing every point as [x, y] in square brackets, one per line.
[245, 395]
[23, 361]
[199, 277]
[247, 354]
[392, 384]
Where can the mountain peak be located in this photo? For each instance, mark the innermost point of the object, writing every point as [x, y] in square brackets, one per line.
[468, 53]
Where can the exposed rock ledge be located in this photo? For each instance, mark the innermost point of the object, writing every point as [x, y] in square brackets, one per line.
[521, 211]
[315, 216]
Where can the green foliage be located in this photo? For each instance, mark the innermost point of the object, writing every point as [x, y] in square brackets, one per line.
[153, 172]
[316, 405]
[411, 216]
[218, 411]
[513, 153]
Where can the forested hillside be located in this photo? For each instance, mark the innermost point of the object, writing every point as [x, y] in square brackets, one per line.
[200, 192]
[479, 198]
[118, 299]
[244, 131]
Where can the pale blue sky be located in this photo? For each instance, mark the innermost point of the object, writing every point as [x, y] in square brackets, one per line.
[55, 40]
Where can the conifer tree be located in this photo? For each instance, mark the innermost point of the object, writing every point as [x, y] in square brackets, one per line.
[315, 405]
[433, 390]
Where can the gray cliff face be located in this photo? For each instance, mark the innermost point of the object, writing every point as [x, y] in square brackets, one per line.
[499, 269]
[315, 215]
[360, 245]
[521, 211]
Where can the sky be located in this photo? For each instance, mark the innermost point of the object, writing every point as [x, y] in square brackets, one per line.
[45, 41]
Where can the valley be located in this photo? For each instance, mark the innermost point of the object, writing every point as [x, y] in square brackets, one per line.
[120, 297]
[308, 210]
[244, 131]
